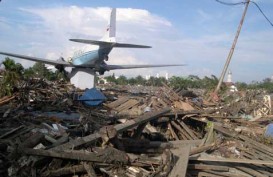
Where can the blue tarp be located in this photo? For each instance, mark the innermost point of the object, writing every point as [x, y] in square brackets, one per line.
[269, 131]
[92, 97]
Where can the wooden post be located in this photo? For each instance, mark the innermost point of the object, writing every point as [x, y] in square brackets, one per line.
[232, 49]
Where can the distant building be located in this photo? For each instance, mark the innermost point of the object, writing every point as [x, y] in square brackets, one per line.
[147, 77]
[102, 79]
[167, 76]
[229, 77]
[2, 69]
[229, 83]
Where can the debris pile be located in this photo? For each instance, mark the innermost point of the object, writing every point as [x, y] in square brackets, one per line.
[46, 131]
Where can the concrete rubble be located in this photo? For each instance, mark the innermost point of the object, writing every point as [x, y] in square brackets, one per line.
[137, 131]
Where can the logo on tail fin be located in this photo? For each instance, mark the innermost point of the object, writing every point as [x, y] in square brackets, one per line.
[111, 28]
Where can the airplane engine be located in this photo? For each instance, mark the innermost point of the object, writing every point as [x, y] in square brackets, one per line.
[101, 68]
[101, 72]
[61, 59]
[106, 57]
[60, 67]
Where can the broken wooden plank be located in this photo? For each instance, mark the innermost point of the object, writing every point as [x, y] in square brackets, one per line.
[180, 168]
[127, 105]
[12, 131]
[162, 102]
[145, 118]
[257, 152]
[189, 131]
[138, 131]
[252, 172]
[208, 167]
[177, 144]
[173, 93]
[183, 133]
[117, 102]
[201, 149]
[183, 106]
[32, 141]
[207, 174]
[225, 160]
[211, 173]
[6, 99]
[60, 141]
[174, 135]
[259, 146]
[108, 155]
[89, 169]
[65, 171]
[146, 146]
[50, 139]
[120, 128]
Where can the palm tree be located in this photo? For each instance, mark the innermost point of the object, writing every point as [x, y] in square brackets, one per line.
[11, 76]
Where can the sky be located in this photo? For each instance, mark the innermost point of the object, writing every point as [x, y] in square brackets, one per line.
[196, 33]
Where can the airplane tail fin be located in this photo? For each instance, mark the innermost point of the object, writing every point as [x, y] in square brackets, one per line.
[110, 35]
[109, 38]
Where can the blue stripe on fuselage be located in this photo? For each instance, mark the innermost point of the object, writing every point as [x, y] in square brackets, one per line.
[91, 57]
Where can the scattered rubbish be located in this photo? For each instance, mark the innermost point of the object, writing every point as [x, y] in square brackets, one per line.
[160, 132]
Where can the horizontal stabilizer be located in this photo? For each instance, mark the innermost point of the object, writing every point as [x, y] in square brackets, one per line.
[131, 45]
[113, 44]
[113, 67]
[46, 61]
[94, 42]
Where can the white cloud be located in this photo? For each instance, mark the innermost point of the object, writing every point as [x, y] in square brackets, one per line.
[204, 55]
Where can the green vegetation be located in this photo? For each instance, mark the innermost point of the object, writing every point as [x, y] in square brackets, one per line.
[11, 77]
[15, 72]
[139, 80]
[266, 84]
[191, 81]
[39, 70]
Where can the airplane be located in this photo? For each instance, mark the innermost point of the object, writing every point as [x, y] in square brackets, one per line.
[94, 59]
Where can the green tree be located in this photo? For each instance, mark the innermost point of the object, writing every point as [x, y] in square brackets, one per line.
[241, 85]
[111, 79]
[10, 65]
[122, 80]
[267, 85]
[132, 81]
[140, 80]
[11, 76]
[40, 70]
[209, 83]
[28, 73]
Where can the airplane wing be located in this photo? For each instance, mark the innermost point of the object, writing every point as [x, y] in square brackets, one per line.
[46, 61]
[113, 67]
[114, 44]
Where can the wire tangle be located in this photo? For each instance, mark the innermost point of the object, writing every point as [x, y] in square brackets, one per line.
[244, 2]
[262, 13]
[231, 4]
